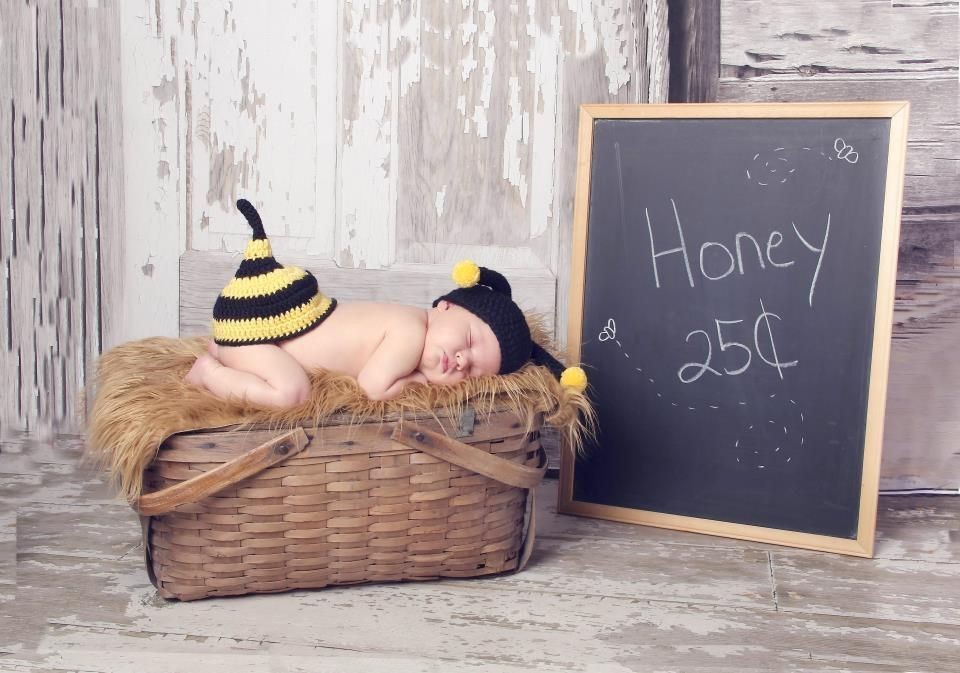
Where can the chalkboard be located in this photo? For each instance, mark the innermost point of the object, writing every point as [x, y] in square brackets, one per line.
[732, 296]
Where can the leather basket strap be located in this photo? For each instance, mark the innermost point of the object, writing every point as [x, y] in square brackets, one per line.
[229, 473]
[469, 457]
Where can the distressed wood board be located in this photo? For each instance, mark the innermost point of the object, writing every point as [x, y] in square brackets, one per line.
[913, 40]
[60, 199]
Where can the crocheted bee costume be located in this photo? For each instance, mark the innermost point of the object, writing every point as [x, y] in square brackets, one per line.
[487, 295]
[266, 302]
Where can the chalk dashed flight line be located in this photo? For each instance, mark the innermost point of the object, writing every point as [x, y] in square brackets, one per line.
[609, 334]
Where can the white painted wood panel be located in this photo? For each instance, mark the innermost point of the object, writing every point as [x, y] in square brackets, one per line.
[454, 131]
[373, 135]
[152, 175]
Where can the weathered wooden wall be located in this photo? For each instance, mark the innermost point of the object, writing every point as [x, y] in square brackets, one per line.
[785, 50]
[432, 131]
[384, 140]
[61, 201]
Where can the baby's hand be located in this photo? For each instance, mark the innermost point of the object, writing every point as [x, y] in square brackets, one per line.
[416, 376]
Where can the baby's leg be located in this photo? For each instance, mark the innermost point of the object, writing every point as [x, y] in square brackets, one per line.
[263, 374]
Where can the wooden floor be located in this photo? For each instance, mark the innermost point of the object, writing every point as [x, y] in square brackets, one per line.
[597, 596]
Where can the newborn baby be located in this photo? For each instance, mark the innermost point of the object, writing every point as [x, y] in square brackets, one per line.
[272, 325]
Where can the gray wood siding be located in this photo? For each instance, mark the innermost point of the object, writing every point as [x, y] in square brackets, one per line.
[60, 199]
[866, 50]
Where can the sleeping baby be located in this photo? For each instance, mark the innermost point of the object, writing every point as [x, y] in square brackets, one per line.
[272, 325]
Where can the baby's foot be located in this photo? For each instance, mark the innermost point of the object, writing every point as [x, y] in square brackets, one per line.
[198, 372]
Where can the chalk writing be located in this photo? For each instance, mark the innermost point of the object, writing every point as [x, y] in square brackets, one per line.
[699, 368]
[718, 261]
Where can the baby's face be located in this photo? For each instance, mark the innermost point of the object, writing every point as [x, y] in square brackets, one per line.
[458, 345]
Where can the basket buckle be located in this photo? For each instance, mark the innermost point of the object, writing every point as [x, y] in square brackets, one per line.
[466, 423]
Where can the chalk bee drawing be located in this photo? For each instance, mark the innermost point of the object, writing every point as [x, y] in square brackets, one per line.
[609, 331]
[845, 151]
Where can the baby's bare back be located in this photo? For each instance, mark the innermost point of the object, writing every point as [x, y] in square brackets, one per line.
[348, 337]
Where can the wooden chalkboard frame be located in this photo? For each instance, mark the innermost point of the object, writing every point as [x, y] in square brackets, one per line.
[897, 112]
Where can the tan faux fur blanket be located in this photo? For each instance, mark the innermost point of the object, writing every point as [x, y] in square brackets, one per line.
[140, 399]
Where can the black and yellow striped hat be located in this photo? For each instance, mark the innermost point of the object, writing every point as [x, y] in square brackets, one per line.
[266, 302]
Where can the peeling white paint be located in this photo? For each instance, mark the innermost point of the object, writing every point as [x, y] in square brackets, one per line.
[603, 24]
[148, 304]
[543, 62]
[409, 32]
[248, 120]
[484, 42]
[611, 17]
[324, 77]
[480, 119]
[439, 201]
[311, 133]
[469, 63]
[586, 39]
[369, 146]
[515, 136]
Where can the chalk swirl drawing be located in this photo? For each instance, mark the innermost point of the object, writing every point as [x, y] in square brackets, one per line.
[755, 458]
[761, 445]
[767, 168]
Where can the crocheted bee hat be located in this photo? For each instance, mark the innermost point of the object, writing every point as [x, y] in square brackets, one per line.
[266, 302]
[487, 295]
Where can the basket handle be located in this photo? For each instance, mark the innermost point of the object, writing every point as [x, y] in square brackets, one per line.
[468, 457]
[237, 469]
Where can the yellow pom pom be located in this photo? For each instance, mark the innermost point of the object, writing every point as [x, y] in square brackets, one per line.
[574, 377]
[466, 273]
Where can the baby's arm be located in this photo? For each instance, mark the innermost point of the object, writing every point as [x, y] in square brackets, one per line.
[394, 363]
[398, 385]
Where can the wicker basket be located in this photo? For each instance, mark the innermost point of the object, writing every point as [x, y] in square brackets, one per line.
[236, 511]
